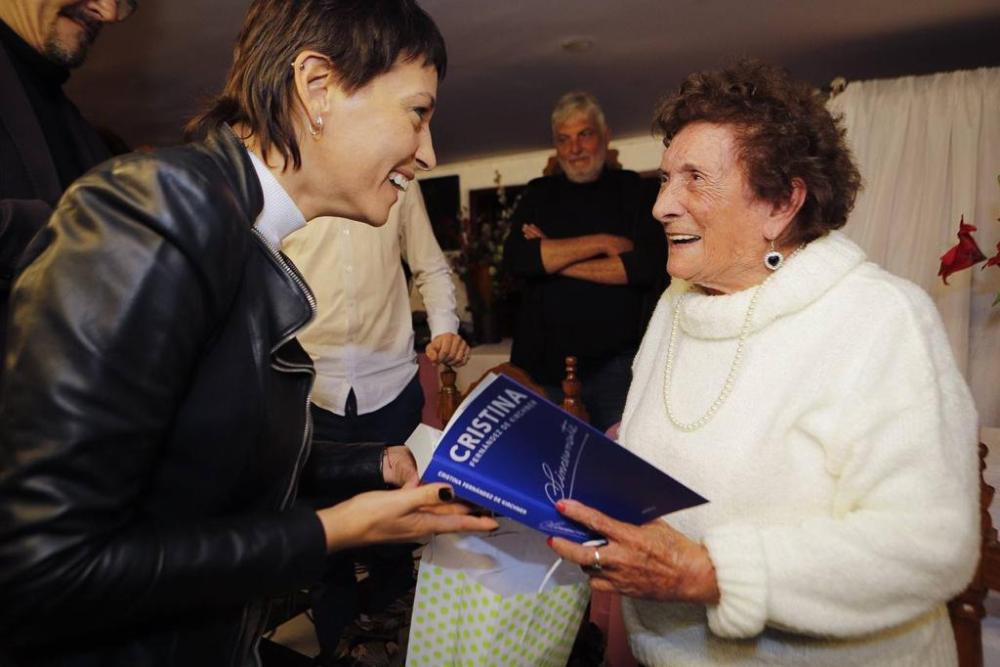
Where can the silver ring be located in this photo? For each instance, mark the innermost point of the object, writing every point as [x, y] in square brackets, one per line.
[597, 561]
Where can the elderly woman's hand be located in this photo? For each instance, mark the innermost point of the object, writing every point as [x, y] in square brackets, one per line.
[653, 561]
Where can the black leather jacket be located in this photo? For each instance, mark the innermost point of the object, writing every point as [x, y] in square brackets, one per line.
[154, 422]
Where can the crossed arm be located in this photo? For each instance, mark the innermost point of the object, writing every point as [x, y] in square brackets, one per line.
[592, 257]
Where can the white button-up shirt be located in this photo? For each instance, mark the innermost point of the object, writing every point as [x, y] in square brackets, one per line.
[362, 337]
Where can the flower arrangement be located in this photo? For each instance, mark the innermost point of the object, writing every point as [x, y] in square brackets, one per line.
[966, 254]
[481, 249]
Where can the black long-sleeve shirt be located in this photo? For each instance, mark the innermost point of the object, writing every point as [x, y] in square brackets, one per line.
[42, 81]
[44, 145]
[563, 316]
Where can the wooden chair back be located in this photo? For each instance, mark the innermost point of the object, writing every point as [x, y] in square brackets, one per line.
[449, 396]
[967, 609]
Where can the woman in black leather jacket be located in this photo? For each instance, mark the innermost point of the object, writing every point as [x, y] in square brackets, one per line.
[154, 422]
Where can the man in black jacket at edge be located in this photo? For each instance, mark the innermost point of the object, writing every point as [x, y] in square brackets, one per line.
[593, 261]
[45, 144]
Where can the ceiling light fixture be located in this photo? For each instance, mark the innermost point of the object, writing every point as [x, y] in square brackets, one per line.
[577, 44]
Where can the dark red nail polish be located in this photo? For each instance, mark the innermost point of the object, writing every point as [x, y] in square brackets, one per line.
[549, 541]
[560, 505]
[446, 494]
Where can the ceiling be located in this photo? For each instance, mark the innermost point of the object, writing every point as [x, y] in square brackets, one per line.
[145, 77]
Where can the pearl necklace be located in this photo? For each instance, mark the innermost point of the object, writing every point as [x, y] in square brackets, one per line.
[727, 386]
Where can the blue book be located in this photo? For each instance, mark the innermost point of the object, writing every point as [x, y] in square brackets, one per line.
[509, 450]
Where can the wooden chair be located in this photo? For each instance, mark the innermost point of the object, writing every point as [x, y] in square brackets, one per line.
[967, 609]
[449, 396]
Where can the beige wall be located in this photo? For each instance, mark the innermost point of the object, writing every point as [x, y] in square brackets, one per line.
[639, 153]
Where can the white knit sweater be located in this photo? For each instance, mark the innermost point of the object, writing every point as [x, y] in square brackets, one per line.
[841, 471]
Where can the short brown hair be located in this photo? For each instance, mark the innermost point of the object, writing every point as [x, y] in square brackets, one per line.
[783, 130]
[362, 38]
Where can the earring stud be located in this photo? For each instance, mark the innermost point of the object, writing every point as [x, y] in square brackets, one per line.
[315, 129]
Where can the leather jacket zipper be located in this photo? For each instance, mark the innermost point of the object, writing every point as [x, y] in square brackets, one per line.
[280, 364]
[297, 278]
[283, 366]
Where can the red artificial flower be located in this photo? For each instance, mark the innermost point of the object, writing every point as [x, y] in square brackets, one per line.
[962, 255]
[995, 259]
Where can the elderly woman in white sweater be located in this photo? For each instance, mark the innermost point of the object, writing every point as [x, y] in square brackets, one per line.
[809, 394]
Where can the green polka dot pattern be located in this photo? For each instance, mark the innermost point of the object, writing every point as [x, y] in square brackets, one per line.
[457, 623]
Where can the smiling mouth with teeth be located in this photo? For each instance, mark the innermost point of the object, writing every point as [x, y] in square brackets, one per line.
[399, 180]
[681, 239]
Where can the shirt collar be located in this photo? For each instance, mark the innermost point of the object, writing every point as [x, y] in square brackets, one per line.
[280, 216]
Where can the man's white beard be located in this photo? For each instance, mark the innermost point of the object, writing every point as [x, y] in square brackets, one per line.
[591, 174]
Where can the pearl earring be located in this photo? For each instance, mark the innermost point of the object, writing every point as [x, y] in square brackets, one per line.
[773, 259]
[316, 129]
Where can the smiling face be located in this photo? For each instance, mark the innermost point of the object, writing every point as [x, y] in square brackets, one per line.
[61, 30]
[581, 147]
[373, 142]
[716, 229]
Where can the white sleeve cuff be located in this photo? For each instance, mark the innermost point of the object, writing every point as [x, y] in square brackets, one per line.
[442, 323]
[740, 571]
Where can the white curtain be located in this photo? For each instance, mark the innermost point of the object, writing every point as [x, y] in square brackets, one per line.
[928, 149]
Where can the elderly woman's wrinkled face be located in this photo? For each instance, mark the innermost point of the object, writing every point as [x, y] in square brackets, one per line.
[715, 227]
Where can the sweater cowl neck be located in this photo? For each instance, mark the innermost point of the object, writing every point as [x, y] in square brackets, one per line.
[801, 281]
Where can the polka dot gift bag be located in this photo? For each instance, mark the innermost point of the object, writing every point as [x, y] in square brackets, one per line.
[491, 600]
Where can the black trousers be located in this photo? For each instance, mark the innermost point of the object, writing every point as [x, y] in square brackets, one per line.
[335, 600]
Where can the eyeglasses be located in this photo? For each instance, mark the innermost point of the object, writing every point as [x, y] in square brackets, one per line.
[126, 8]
